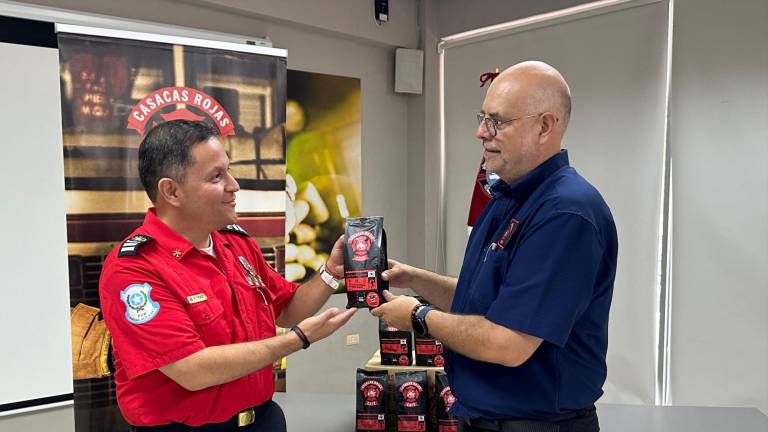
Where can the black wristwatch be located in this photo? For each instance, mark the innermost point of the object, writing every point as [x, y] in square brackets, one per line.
[419, 319]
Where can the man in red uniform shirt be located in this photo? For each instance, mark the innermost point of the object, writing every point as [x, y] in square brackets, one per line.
[191, 303]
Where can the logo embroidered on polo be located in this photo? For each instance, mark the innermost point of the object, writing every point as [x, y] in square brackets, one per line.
[139, 306]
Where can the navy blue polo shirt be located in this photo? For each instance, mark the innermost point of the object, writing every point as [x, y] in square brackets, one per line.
[540, 260]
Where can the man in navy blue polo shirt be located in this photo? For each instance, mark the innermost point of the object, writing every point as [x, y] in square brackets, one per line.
[527, 331]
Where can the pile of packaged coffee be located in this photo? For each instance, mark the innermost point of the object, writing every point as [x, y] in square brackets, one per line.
[403, 402]
[407, 401]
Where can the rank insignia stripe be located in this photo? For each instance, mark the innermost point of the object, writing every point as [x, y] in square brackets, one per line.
[237, 229]
[197, 298]
[131, 245]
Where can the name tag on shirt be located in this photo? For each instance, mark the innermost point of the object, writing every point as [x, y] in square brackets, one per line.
[197, 298]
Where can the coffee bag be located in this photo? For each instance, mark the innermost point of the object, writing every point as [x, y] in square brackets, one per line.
[372, 397]
[395, 345]
[365, 258]
[444, 399]
[411, 401]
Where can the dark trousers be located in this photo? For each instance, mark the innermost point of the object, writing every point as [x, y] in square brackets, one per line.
[581, 421]
[269, 418]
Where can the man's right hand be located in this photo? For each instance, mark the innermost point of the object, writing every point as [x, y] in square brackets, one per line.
[323, 325]
[399, 275]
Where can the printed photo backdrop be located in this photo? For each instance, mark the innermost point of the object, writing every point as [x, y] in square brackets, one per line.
[112, 92]
[324, 180]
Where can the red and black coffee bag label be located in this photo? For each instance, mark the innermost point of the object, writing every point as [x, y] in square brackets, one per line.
[429, 352]
[395, 345]
[411, 399]
[371, 406]
[444, 398]
[365, 258]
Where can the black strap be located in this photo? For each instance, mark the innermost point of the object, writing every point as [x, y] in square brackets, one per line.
[302, 336]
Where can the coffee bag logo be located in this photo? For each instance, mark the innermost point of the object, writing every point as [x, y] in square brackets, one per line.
[371, 391]
[448, 398]
[411, 392]
[147, 107]
[361, 243]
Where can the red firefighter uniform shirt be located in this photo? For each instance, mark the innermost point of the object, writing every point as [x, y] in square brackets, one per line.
[163, 299]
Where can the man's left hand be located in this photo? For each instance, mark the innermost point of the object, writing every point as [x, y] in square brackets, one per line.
[335, 263]
[397, 310]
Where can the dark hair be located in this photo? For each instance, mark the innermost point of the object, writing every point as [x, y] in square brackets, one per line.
[166, 151]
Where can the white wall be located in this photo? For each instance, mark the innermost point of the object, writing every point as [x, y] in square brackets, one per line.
[349, 18]
[719, 144]
[456, 16]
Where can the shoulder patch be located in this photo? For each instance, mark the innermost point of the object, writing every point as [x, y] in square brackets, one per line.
[235, 229]
[139, 306]
[130, 246]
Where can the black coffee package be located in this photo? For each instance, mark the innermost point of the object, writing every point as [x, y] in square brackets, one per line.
[444, 398]
[372, 397]
[411, 401]
[395, 345]
[365, 258]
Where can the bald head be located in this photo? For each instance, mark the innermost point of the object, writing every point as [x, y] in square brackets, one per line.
[537, 87]
[530, 105]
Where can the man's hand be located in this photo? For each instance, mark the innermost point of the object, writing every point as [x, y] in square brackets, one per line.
[323, 325]
[399, 275]
[396, 311]
[335, 263]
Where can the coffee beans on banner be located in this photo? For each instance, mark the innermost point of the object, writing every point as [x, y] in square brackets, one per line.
[365, 258]
[411, 400]
[372, 396]
[395, 345]
[444, 397]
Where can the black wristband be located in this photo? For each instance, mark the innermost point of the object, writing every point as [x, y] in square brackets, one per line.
[301, 335]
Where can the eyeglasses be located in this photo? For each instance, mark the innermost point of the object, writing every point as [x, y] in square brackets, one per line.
[492, 124]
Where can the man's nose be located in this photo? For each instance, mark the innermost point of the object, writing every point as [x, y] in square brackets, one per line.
[482, 132]
[232, 184]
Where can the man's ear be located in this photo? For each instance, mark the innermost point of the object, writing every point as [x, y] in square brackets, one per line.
[170, 191]
[549, 123]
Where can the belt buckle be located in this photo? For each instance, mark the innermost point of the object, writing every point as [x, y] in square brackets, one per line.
[246, 417]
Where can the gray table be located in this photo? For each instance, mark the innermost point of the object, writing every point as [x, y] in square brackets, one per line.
[336, 413]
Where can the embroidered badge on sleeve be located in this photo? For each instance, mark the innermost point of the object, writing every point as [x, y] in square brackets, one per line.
[139, 307]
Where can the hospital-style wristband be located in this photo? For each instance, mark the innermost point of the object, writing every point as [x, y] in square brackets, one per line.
[302, 336]
[328, 278]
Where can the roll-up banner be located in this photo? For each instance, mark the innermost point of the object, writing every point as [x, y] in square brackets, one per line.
[115, 86]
